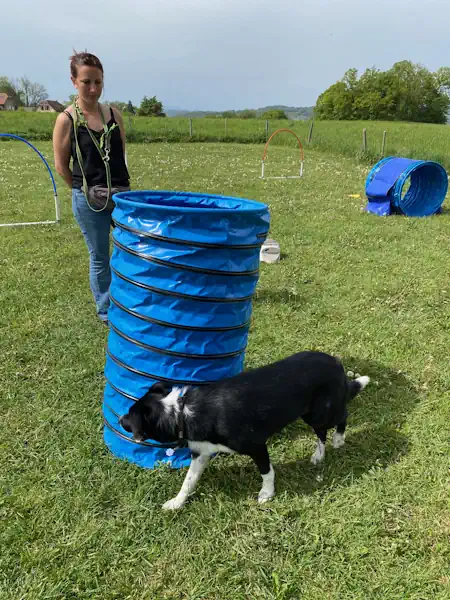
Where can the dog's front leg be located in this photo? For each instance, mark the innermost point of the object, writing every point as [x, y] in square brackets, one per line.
[319, 454]
[197, 466]
[262, 460]
[339, 435]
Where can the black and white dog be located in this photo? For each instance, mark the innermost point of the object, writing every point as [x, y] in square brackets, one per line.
[240, 414]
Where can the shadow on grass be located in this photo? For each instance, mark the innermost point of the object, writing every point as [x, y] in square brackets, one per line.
[373, 441]
[290, 296]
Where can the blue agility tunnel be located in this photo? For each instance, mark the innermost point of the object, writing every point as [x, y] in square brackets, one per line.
[184, 269]
[415, 188]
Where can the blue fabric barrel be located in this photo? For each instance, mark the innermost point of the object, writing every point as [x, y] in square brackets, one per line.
[387, 192]
[184, 269]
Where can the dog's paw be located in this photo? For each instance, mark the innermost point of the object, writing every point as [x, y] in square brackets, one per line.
[338, 439]
[319, 454]
[315, 459]
[264, 497]
[174, 504]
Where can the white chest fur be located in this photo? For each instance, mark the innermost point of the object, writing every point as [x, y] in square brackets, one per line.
[208, 448]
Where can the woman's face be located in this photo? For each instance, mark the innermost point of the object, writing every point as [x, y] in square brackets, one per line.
[89, 83]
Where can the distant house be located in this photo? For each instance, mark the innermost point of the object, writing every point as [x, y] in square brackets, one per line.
[8, 102]
[50, 106]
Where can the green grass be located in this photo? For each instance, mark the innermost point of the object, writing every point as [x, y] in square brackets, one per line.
[372, 523]
[410, 140]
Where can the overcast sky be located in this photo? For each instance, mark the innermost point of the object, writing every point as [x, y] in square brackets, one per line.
[219, 54]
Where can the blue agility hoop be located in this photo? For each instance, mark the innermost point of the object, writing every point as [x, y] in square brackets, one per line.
[55, 194]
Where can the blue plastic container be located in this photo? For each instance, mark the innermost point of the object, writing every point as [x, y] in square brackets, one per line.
[184, 270]
[387, 191]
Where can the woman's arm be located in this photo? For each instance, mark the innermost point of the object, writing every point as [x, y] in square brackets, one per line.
[61, 147]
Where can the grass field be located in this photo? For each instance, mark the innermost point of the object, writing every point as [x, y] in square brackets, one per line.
[372, 524]
[343, 138]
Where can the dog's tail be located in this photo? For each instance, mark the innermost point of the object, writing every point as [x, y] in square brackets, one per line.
[356, 385]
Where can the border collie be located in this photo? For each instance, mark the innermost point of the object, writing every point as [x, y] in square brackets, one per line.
[239, 414]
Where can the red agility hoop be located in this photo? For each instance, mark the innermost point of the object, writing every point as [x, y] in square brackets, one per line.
[302, 156]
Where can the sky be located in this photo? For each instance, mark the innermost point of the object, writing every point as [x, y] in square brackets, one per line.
[219, 54]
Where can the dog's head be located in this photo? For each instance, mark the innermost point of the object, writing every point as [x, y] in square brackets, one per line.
[148, 419]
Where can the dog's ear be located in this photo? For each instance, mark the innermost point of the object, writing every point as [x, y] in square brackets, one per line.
[158, 389]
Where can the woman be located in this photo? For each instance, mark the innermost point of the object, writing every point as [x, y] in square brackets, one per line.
[92, 135]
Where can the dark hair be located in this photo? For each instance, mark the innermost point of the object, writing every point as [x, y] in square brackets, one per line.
[83, 59]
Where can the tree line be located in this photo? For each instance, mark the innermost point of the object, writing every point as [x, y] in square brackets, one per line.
[151, 107]
[406, 92]
[30, 94]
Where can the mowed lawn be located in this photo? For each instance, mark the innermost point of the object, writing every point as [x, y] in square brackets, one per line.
[372, 523]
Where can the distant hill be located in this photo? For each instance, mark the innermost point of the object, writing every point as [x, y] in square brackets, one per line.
[190, 113]
[293, 112]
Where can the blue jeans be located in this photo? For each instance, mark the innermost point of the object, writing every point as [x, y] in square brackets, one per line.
[95, 227]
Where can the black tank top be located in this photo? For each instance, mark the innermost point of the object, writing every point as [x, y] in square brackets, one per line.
[93, 165]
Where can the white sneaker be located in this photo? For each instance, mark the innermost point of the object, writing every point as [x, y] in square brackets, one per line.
[270, 252]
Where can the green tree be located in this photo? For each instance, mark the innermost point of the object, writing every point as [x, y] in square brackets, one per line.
[229, 114]
[335, 103]
[151, 107]
[274, 113]
[7, 86]
[247, 114]
[406, 92]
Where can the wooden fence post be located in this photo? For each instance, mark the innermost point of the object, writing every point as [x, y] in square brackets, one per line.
[383, 143]
[311, 127]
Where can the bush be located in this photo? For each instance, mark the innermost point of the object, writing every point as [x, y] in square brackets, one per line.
[274, 113]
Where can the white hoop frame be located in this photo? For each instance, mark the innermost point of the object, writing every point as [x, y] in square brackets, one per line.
[302, 156]
[55, 195]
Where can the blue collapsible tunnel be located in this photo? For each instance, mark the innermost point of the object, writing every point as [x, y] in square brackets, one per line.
[184, 269]
[388, 192]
